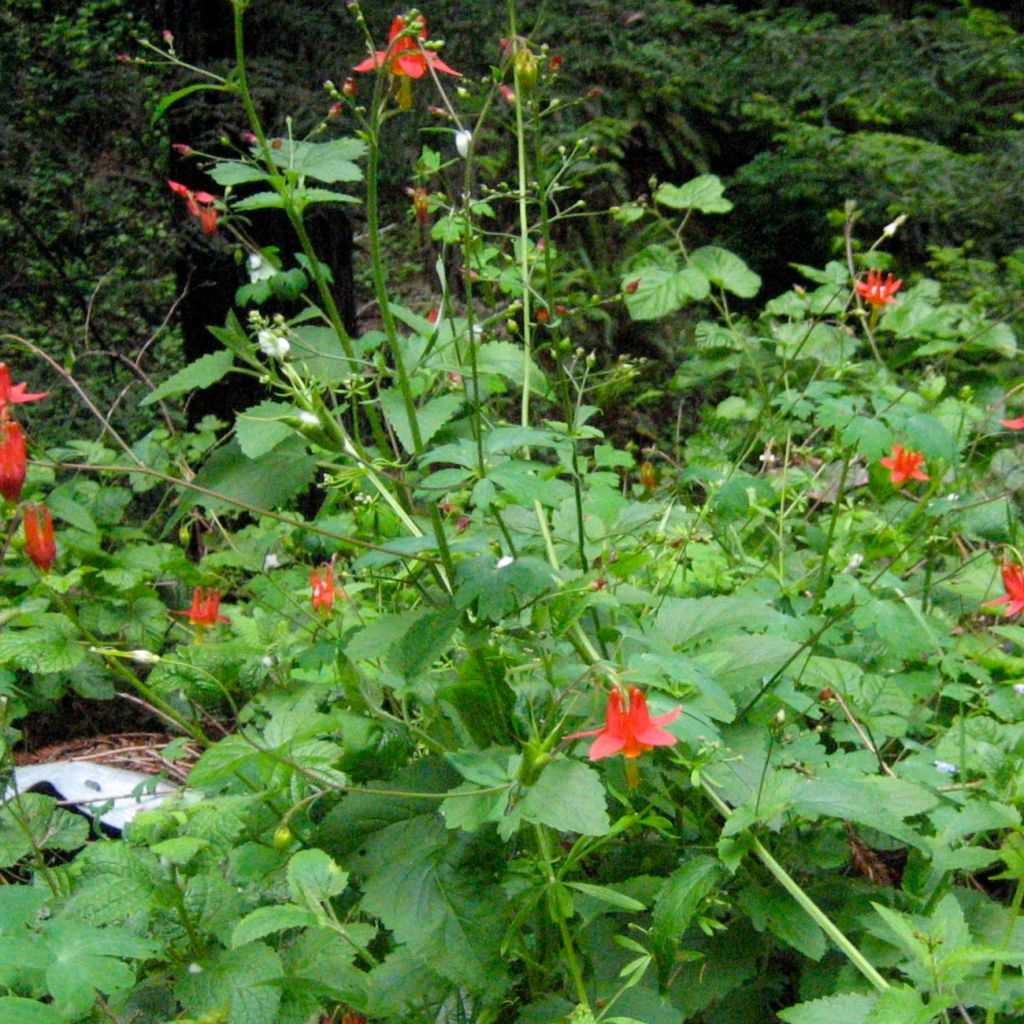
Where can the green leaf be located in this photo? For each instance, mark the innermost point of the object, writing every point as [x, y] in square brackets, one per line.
[259, 201]
[86, 960]
[244, 981]
[506, 360]
[263, 483]
[325, 161]
[569, 796]
[205, 371]
[270, 920]
[901, 1005]
[608, 895]
[848, 1008]
[678, 901]
[168, 101]
[236, 172]
[259, 429]
[727, 270]
[15, 1010]
[225, 762]
[430, 417]
[656, 285]
[313, 878]
[704, 193]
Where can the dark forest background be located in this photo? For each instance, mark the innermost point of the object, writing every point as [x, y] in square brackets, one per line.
[901, 107]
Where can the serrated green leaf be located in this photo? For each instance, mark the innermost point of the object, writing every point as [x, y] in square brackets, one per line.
[206, 370]
[656, 285]
[568, 796]
[15, 1010]
[430, 417]
[704, 193]
[849, 1008]
[313, 878]
[901, 1005]
[259, 428]
[329, 162]
[266, 482]
[235, 172]
[243, 981]
[679, 900]
[270, 920]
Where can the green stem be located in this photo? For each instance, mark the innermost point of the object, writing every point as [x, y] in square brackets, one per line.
[836, 506]
[997, 971]
[555, 909]
[812, 910]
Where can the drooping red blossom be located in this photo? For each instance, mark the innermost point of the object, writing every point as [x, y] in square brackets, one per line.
[13, 460]
[904, 464]
[629, 731]
[1017, 424]
[876, 291]
[14, 394]
[1013, 581]
[205, 610]
[323, 588]
[420, 204]
[404, 56]
[39, 541]
[200, 205]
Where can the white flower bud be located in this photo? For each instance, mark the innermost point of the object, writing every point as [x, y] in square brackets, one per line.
[463, 140]
[504, 561]
[272, 344]
[890, 229]
[271, 561]
[144, 657]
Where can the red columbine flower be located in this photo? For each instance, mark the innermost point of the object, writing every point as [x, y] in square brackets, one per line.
[876, 291]
[1017, 424]
[205, 610]
[200, 205]
[322, 585]
[14, 394]
[1013, 581]
[629, 731]
[39, 542]
[405, 56]
[12, 460]
[904, 465]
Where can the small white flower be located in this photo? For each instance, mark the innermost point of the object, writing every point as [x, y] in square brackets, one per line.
[463, 140]
[504, 561]
[194, 969]
[891, 228]
[945, 767]
[271, 561]
[267, 661]
[855, 562]
[1018, 688]
[953, 497]
[258, 268]
[308, 419]
[144, 657]
[273, 345]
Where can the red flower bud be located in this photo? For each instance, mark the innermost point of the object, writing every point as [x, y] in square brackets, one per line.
[12, 460]
[543, 316]
[39, 542]
[632, 286]
[183, 148]
[349, 88]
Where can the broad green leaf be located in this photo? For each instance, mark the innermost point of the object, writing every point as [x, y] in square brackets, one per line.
[206, 370]
[727, 270]
[244, 981]
[569, 797]
[678, 901]
[270, 920]
[260, 428]
[430, 417]
[901, 1005]
[228, 760]
[704, 193]
[313, 878]
[325, 161]
[776, 911]
[506, 360]
[235, 172]
[15, 1010]
[848, 1008]
[263, 483]
[656, 285]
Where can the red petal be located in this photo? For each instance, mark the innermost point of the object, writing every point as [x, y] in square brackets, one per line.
[1017, 424]
[605, 746]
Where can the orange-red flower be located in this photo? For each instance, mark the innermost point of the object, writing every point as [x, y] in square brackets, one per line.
[404, 55]
[14, 394]
[1017, 424]
[39, 542]
[631, 730]
[13, 460]
[200, 205]
[876, 291]
[1013, 581]
[205, 610]
[904, 464]
[323, 588]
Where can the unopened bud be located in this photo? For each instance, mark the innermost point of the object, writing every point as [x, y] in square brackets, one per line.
[892, 227]
[167, 36]
[525, 69]
[182, 148]
[349, 88]
[144, 657]
[463, 142]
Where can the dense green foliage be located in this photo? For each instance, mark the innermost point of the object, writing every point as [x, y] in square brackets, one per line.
[453, 543]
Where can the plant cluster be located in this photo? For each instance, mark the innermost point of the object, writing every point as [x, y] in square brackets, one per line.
[382, 608]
